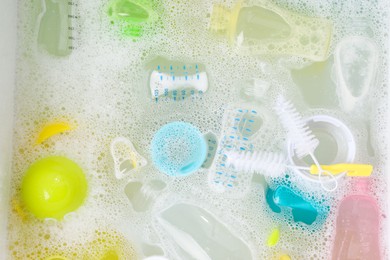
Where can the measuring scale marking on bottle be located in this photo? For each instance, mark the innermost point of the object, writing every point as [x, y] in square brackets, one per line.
[74, 28]
[177, 82]
[56, 27]
[239, 127]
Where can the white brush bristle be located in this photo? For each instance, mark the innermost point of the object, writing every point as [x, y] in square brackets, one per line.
[266, 163]
[297, 131]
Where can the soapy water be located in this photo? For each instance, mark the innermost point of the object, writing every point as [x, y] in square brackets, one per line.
[103, 85]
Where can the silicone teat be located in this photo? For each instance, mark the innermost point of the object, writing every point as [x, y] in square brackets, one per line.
[352, 170]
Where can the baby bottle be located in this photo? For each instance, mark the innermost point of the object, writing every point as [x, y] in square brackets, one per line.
[267, 29]
[54, 28]
[357, 226]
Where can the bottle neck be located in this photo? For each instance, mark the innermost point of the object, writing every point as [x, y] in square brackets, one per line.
[361, 184]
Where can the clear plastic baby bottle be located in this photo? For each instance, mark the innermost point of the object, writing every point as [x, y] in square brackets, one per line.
[54, 27]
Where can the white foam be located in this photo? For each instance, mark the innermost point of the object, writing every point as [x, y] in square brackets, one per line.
[103, 86]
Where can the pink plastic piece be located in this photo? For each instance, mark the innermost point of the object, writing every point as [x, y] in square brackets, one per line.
[357, 228]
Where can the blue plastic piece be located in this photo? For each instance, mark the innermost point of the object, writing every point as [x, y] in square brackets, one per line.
[178, 149]
[283, 196]
[269, 196]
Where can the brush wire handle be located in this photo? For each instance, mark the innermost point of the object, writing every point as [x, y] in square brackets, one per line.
[274, 165]
[297, 130]
[326, 173]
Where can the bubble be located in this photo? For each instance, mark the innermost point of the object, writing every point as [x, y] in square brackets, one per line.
[103, 86]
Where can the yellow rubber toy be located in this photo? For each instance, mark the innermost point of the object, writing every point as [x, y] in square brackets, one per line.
[51, 130]
[284, 257]
[53, 187]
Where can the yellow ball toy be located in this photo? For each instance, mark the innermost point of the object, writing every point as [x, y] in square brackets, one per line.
[53, 187]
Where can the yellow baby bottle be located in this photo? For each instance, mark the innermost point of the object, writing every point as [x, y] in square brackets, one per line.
[266, 29]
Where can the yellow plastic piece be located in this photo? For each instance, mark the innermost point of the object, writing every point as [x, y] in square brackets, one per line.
[108, 245]
[273, 238]
[110, 255]
[56, 257]
[284, 257]
[51, 130]
[352, 170]
[53, 187]
[15, 203]
[104, 245]
[224, 20]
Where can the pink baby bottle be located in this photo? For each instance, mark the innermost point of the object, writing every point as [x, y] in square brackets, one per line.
[357, 227]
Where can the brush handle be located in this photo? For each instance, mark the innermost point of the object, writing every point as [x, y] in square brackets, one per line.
[267, 163]
[352, 170]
